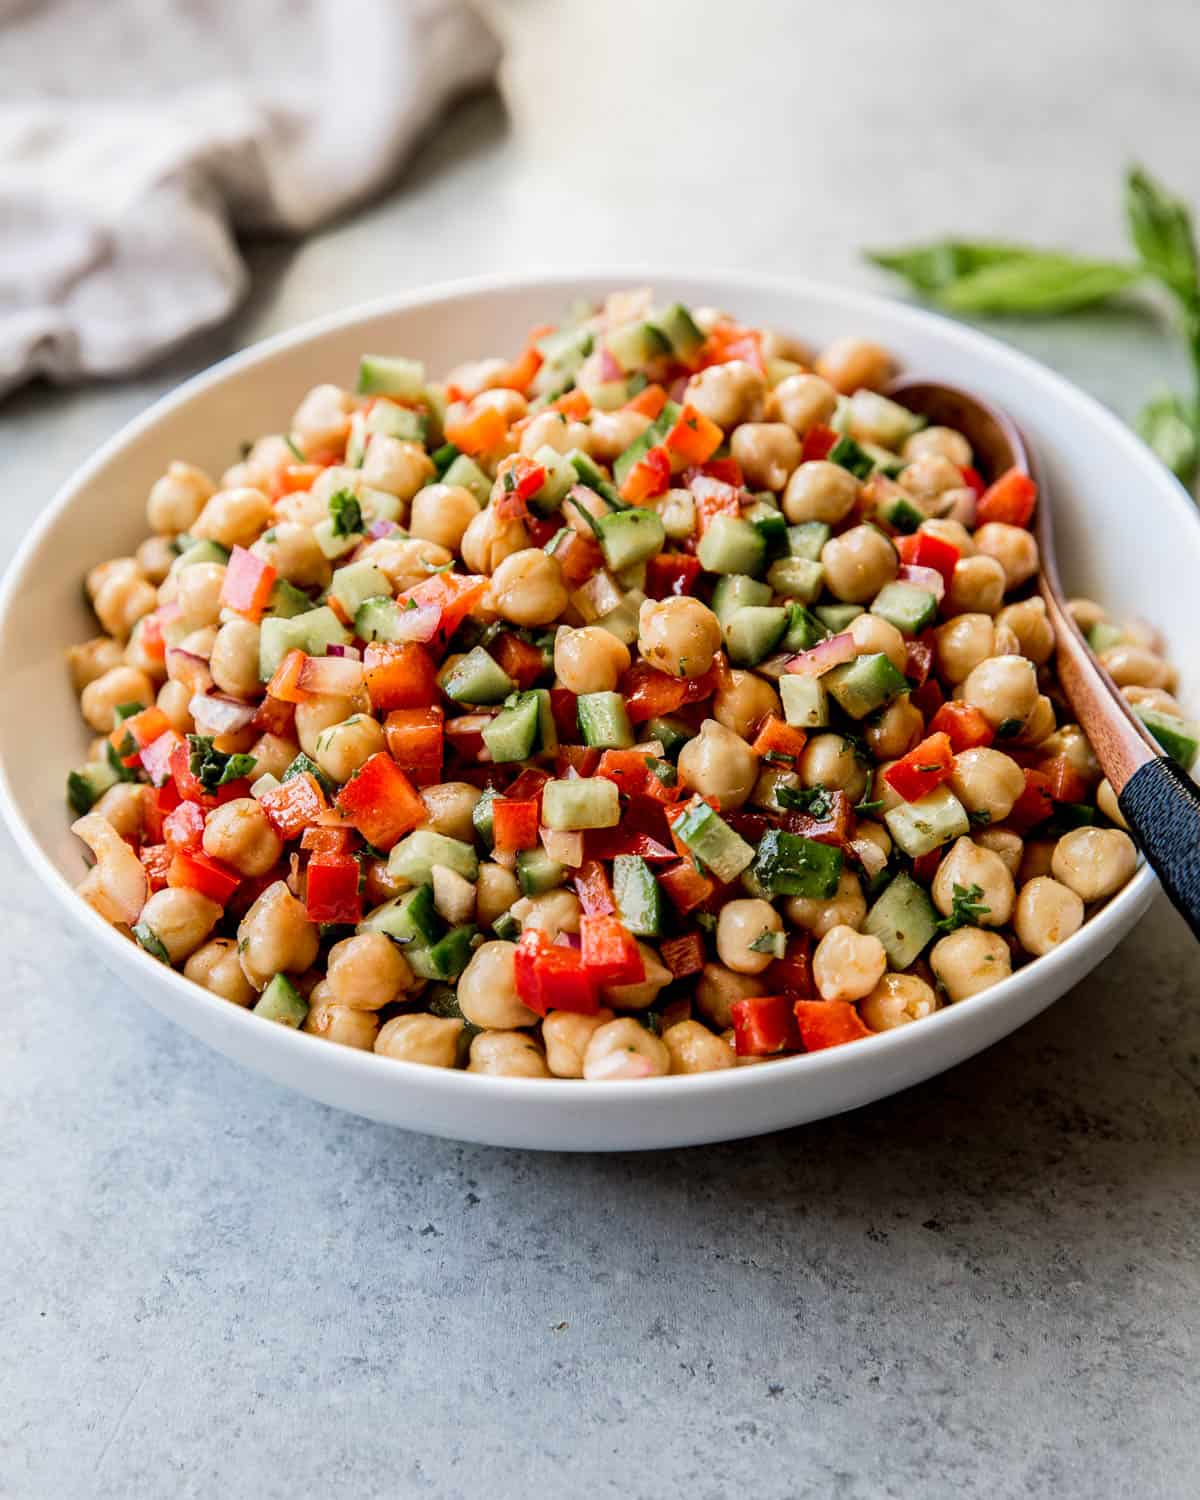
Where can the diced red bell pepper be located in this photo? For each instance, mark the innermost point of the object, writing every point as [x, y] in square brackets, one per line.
[694, 437]
[780, 743]
[685, 955]
[582, 759]
[1066, 783]
[918, 661]
[764, 1025]
[150, 636]
[416, 738]
[726, 470]
[973, 479]
[834, 827]
[671, 573]
[194, 870]
[156, 861]
[648, 477]
[294, 805]
[550, 976]
[610, 951]
[183, 828]
[564, 707]
[463, 736]
[318, 840]
[1010, 499]
[140, 729]
[380, 801]
[285, 684]
[685, 886]
[627, 768]
[607, 843]
[922, 769]
[519, 659]
[187, 785]
[592, 888]
[529, 783]
[649, 402]
[331, 891]
[519, 375]
[819, 442]
[793, 972]
[828, 1023]
[159, 804]
[399, 674]
[289, 479]
[924, 550]
[453, 594]
[964, 725]
[478, 432]
[649, 693]
[273, 716]
[1035, 803]
[925, 866]
[576, 405]
[578, 557]
[514, 824]
[156, 756]
[714, 498]
[246, 588]
[928, 698]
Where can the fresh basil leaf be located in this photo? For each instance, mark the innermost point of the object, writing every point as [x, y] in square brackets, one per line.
[930, 268]
[346, 514]
[1039, 284]
[1165, 423]
[1161, 228]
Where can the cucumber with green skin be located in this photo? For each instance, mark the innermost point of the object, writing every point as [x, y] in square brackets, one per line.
[837, 616]
[671, 733]
[587, 802]
[399, 422]
[731, 545]
[717, 846]
[733, 591]
[906, 606]
[651, 438]
[86, 786]
[797, 578]
[391, 375]
[414, 857]
[807, 538]
[680, 330]
[804, 629]
[410, 918]
[638, 896]
[513, 735]
[200, 552]
[920, 827]
[604, 721]
[287, 601]
[357, 582]
[788, 864]
[636, 344]
[805, 701]
[283, 1003]
[861, 686]
[1179, 738]
[904, 921]
[466, 473]
[538, 873]
[482, 819]
[445, 959]
[476, 678]
[771, 525]
[630, 536]
[754, 632]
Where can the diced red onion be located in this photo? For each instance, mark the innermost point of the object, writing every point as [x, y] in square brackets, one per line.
[214, 713]
[609, 368]
[381, 528]
[420, 624]
[351, 652]
[333, 676]
[775, 666]
[824, 656]
[870, 855]
[563, 845]
[188, 668]
[924, 578]
[568, 940]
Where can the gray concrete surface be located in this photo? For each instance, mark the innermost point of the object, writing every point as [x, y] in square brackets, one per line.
[985, 1287]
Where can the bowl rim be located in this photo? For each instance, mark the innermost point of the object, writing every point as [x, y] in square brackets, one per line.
[355, 1062]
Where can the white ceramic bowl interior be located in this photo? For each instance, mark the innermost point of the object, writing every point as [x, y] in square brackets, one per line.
[1128, 535]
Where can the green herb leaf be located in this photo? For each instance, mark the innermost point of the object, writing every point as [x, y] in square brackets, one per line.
[1165, 423]
[930, 268]
[345, 513]
[1008, 729]
[557, 540]
[213, 768]
[983, 277]
[769, 942]
[149, 940]
[1161, 228]
[846, 453]
[813, 800]
[980, 817]
[866, 808]
[966, 908]
[296, 449]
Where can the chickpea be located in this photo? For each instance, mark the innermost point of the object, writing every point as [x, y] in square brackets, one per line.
[406, 561]
[321, 418]
[317, 714]
[121, 597]
[805, 400]
[718, 763]
[100, 698]
[590, 660]
[847, 965]
[1031, 626]
[511, 405]
[718, 988]
[1139, 633]
[768, 784]
[970, 960]
[1071, 742]
[241, 834]
[820, 491]
[430, 1040]
[366, 972]
[624, 1049]
[896, 1000]
[846, 908]
[487, 989]
[643, 992]
[1014, 548]
[178, 498]
[613, 431]
[338, 1023]
[1003, 688]
[849, 363]
[896, 730]
[679, 635]
[181, 919]
[727, 394]
[198, 594]
[552, 912]
[276, 936]
[233, 517]
[694, 1049]
[551, 429]
[528, 588]
[449, 806]
[967, 865]
[154, 558]
[828, 760]
[234, 659]
[1094, 862]
[215, 967]
[174, 698]
[1048, 913]
[1005, 642]
[987, 781]
[476, 375]
[293, 552]
[1152, 698]
[488, 541]
[344, 748]
[197, 643]
[739, 926]
[1035, 860]
[858, 563]
[976, 586]
[565, 1035]
[398, 467]
[942, 442]
[743, 701]
[929, 478]
[1086, 613]
[1008, 845]
[873, 833]
[273, 754]
[1134, 665]
[950, 531]
[1106, 801]
[441, 513]
[124, 806]
[961, 644]
[507, 1054]
[92, 660]
[767, 452]
[496, 890]
[873, 635]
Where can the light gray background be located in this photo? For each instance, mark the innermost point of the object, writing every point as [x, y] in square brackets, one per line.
[987, 1286]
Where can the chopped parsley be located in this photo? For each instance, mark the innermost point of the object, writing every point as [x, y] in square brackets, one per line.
[212, 768]
[510, 482]
[768, 942]
[1009, 729]
[148, 939]
[980, 817]
[813, 800]
[345, 513]
[296, 449]
[865, 808]
[665, 772]
[966, 908]
[556, 540]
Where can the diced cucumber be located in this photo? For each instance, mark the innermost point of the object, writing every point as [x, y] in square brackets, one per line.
[1179, 738]
[591, 802]
[507, 927]
[281, 1001]
[563, 351]
[547, 733]
[378, 505]
[477, 678]
[591, 475]
[642, 444]
[200, 552]
[771, 524]
[538, 873]
[319, 629]
[333, 542]
[797, 578]
[847, 454]
[807, 538]
[414, 857]
[886, 462]
[878, 419]
[787, 864]
[636, 344]
[672, 734]
[397, 421]
[680, 330]
[303, 765]
[898, 511]
[86, 786]
[445, 959]
[354, 584]
[1103, 636]
[514, 734]
[805, 701]
[379, 620]
[638, 896]
[804, 629]
[837, 616]
[754, 632]
[922, 826]
[778, 369]
[906, 606]
[707, 835]
[482, 819]
[861, 686]
[391, 375]
[603, 721]
[466, 472]
[623, 620]
[904, 921]
[410, 918]
[630, 536]
[734, 591]
[560, 476]
[731, 545]
[276, 637]
[287, 601]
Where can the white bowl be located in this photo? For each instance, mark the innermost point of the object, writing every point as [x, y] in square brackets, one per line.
[1128, 536]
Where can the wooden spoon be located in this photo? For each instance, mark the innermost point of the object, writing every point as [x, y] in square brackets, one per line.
[1158, 799]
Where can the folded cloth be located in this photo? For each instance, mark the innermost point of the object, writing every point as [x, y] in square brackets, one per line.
[139, 137]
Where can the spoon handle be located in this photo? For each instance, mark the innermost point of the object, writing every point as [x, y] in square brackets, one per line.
[1161, 804]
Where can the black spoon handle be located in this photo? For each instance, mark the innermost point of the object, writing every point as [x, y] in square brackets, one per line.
[1161, 804]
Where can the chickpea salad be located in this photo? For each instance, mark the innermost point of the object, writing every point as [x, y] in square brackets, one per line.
[662, 699]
